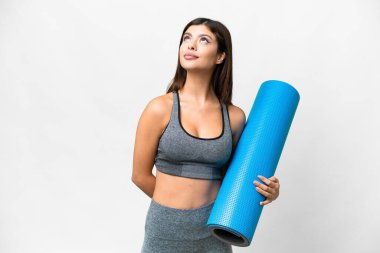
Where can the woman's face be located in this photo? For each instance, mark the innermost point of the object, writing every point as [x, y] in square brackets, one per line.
[198, 50]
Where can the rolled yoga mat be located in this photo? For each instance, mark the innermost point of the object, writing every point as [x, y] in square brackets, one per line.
[236, 211]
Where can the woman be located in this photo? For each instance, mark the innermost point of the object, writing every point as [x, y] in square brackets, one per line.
[190, 134]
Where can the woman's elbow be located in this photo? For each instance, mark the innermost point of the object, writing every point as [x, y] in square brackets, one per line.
[139, 179]
[136, 179]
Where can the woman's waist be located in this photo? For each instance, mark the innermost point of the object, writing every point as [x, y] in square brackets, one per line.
[184, 193]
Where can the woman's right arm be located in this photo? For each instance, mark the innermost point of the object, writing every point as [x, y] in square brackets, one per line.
[150, 126]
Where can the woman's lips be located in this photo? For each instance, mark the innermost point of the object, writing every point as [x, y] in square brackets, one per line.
[190, 57]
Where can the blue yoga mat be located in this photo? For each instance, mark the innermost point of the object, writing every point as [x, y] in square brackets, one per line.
[237, 208]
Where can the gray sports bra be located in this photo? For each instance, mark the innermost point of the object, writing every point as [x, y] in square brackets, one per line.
[182, 154]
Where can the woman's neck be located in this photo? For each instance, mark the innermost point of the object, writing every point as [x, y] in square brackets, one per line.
[198, 87]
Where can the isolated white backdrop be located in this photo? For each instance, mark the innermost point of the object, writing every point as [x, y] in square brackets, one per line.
[76, 75]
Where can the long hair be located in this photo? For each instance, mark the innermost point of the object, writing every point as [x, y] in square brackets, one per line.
[222, 76]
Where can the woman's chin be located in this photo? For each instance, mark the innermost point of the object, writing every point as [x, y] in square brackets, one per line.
[194, 68]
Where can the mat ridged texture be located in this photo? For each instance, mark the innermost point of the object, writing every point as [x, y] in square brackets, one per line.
[237, 208]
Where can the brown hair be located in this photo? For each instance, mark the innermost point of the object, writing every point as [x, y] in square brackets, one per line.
[222, 76]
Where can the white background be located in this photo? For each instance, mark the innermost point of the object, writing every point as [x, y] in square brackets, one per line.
[76, 75]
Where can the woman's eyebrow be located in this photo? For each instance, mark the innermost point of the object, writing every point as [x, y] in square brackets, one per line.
[203, 34]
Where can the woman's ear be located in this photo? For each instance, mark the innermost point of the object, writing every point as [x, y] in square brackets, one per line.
[220, 58]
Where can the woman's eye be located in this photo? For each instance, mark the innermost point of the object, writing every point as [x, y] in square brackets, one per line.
[204, 40]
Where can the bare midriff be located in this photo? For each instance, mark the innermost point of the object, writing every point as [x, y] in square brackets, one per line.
[184, 193]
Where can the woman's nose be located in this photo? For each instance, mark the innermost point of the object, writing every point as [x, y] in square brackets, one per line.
[191, 45]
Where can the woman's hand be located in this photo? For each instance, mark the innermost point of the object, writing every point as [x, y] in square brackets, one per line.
[270, 190]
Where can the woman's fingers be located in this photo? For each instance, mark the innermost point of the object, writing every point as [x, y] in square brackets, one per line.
[270, 189]
[263, 187]
[270, 183]
[265, 202]
[265, 193]
[274, 179]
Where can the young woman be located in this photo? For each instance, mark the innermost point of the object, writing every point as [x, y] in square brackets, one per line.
[190, 134]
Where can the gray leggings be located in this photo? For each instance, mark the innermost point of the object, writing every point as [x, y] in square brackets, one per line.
[171, 230]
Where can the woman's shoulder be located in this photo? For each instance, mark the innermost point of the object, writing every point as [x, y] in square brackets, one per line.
[159, 107]
[236, 113]
[237, 118]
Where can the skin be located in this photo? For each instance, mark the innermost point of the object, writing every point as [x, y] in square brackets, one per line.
[201, 117]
